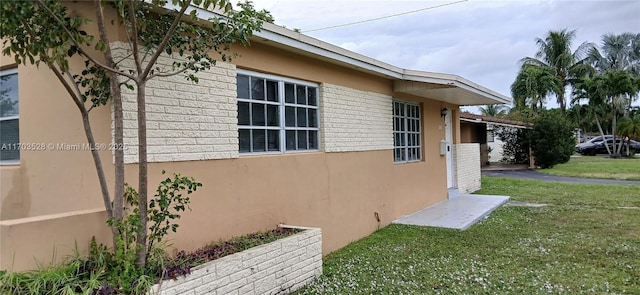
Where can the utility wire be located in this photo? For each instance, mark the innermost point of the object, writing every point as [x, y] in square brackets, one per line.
[384, 17]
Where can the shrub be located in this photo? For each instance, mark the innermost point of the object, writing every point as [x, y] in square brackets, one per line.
[516, 146]
[551, 140]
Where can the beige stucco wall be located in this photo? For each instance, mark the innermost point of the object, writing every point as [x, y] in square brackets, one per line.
[337, 191]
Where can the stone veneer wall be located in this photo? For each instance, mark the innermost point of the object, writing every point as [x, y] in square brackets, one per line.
[185, 121]
[354, 120]
[467, 157]
[282, 266]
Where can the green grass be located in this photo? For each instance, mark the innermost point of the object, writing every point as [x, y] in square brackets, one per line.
[598, 167]
[581, 243]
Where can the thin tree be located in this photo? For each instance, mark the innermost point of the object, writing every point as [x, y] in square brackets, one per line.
[32, 34]
[153, 30]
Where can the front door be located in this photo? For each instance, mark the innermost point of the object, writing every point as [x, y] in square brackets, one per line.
[448, 137]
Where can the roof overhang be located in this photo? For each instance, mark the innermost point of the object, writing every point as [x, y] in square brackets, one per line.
[437, 86]
[448, 88]
[480, 119]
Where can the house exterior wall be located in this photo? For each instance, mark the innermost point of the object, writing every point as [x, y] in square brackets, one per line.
[339, 188]
[185, 121]
[468, 167]
[476, 133]
[348, 126]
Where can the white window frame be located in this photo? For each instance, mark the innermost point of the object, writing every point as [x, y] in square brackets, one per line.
[282, 104]
[12, 71]
[402, 132]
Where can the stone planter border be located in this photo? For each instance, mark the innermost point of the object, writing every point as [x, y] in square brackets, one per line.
[279, 267]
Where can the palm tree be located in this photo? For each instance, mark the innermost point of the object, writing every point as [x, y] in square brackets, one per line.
[629, 127]
[593, 90]
[618, 53]
[533, 85]
[554, 53]
[607, 90]
[494, 110]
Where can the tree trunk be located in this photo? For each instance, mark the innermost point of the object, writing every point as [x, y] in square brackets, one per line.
[86, 124]
[613, 129]
[142, 176]
[118, 138]
[602, 134]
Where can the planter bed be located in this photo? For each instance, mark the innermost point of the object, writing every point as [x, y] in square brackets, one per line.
[279, 267]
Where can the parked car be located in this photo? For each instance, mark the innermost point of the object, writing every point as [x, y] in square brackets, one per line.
[598, 147]
[589, 143]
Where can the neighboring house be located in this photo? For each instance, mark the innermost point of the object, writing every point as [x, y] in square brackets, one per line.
[481, 129]
[294, 131]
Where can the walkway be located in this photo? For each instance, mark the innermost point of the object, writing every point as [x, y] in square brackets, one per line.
[458, 213]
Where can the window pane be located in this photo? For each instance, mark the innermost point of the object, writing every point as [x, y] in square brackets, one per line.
[257, 114]
[272, 115]
[272, 91]
[301, 92]
[311, 96]
[243, 86]
[9, 95]
[302, 139]
[313, 118]
[244, 136]
[291, 140]
[244, 117]
[289, 93]
[9, 135]
[259, 140]
[290, 116]
[313, 140]
[9, 129]
[273, 140]
[257, 89]
[302, 117]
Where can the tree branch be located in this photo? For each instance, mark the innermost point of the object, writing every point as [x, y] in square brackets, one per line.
[166, 39]
[169, 74]
[134, 37]
[78, 45]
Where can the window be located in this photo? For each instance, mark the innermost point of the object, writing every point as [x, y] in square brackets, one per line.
[490, 134]
[276, 114]
[9, 135]
[407, 142]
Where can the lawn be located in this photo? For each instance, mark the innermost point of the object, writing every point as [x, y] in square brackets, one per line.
[581, 243]
[598, 167]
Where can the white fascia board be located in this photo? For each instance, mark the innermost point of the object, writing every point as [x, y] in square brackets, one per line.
[286, 37]
[480, 121]
[457, 81]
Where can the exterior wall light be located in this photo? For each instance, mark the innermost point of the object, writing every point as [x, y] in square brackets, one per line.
[444, 112]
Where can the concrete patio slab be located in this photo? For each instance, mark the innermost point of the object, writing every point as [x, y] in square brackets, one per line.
[457, 213]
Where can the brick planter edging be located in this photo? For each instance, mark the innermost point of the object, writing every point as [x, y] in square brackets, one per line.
[279, 267]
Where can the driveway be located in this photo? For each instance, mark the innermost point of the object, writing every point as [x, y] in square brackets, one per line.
[535, 175]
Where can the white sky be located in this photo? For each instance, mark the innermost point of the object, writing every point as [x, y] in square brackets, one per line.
[479, 40]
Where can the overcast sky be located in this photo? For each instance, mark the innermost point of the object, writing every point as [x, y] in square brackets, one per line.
[479, 40]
